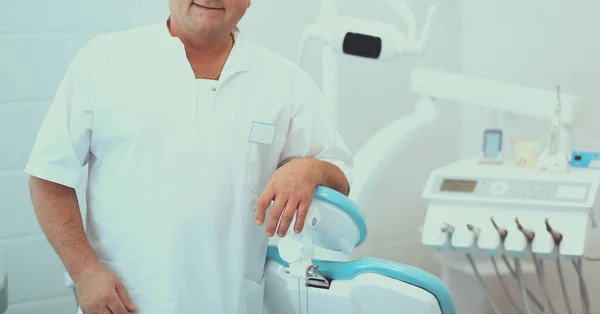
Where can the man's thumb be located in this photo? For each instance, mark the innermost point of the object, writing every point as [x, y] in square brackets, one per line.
[125, 298]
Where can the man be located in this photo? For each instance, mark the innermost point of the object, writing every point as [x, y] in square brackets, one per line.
[190, 133]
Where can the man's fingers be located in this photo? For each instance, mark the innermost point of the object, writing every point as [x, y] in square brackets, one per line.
[301, 216]
[104, 310]
[124, 297]
[274, 215]
[263, 202]
[116, 306]
[286, 219]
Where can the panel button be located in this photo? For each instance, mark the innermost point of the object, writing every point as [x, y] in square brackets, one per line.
[499, 188]
[571, 192]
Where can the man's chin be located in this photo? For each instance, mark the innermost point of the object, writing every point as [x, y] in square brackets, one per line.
[203, 27]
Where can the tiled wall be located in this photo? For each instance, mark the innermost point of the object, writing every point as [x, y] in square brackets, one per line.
[39, 38]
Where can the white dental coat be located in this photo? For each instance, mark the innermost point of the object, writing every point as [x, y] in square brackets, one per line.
[173, 178]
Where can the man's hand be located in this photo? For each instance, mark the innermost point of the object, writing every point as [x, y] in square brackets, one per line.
[292, 189]
[101, 292]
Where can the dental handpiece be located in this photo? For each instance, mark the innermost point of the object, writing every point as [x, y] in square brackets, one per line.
[448, 231]
[446, 228]
[529, 235]
[556, 236]
[517, 274]
[476, 231]
[502, 232]
[555, 133]
[539, 267]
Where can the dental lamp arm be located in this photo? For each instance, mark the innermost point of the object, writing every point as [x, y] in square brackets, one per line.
[426, 31]
[330, 30]
[409, 18]
[329, 9]
[413, 46]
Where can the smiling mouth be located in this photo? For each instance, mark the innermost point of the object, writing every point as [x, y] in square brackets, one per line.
[208, 8]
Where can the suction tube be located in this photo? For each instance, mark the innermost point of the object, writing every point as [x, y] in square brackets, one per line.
[582, 286]
[512, 300]
[557, 237]
[482, 283]
[476, 232]
[522, 286]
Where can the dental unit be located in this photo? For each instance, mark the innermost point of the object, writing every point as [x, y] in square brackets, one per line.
[462, 197]
[469, 192]
[529, 215]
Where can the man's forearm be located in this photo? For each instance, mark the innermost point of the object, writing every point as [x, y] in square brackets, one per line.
[332, 176]
[58, 213]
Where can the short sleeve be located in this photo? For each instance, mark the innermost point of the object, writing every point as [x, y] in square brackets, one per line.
[312, 132]
[62, 146]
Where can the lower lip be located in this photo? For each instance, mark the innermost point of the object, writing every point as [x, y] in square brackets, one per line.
[207, 8]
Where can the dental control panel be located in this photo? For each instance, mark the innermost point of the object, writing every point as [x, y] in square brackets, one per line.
[474, 207]
[521, 189]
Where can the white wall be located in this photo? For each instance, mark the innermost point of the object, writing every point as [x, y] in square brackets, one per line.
[539, 43]
[39, 38]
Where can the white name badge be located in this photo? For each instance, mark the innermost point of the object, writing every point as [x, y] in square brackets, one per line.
[262, 133]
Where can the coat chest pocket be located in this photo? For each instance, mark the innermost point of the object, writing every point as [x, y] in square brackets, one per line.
[263, 159]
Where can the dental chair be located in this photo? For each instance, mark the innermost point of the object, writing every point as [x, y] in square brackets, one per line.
[311, 272]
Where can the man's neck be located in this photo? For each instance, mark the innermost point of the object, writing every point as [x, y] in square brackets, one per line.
[202, 47]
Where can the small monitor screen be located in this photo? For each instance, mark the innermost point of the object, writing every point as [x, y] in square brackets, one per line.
[466, 186]
[492, 143]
